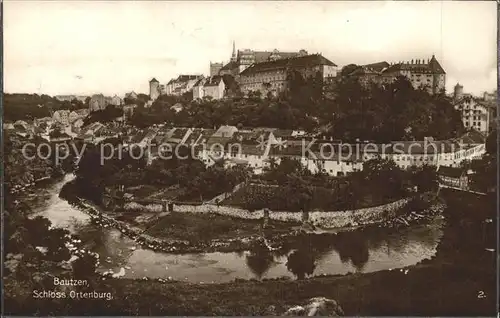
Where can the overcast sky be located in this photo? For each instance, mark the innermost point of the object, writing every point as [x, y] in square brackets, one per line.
[80, 47]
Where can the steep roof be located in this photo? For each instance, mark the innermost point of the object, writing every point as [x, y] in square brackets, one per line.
[472, 137]
[225, 131]
[82, 112]
[154, 80]
[296, 62]
[248, 150]
[205, 135]
[179, 134]
[194, 136]
[250, 137]
[131, 94]
[433, 67]
[218, 140]
[200, 82]
[450, 171]
[377, 67]
[294, 151]
[213, 81]
[229, 66]
[263, 56]
[283, 133]
[185, 78]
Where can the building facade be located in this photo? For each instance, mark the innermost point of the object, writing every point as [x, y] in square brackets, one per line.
[474, 111]
[98, 102]
[215, 68]
[182, 84]
[242, 59]
[453, 177]
[61, 116]
[213, 86]
[272, 77]
[421, 73]
[116, 100]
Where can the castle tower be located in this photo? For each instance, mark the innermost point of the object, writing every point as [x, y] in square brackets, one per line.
[458, 91]
[233, 56]
[215, 68]
[154, 89]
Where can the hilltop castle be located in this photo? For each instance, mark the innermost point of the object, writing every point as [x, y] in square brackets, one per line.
[419, 72]
[242, 59]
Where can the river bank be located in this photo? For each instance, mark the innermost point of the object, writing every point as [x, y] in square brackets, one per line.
[428, 289]
[458, 280]
[249, 234]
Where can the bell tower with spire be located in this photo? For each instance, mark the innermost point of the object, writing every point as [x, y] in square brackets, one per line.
[233, 56]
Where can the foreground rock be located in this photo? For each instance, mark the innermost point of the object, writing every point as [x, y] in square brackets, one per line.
[318, 306]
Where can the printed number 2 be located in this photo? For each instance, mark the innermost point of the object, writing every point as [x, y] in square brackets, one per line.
[481, 294]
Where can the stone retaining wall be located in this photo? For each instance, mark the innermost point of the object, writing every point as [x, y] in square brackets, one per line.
[332, 219]
[134, 206]
[357, 217]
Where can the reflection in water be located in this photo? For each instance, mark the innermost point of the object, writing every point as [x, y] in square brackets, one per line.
[353, 247]
[359, 251]
[301, 263]
[259, 262]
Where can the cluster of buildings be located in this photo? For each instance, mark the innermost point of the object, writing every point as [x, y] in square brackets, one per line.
[262, 71]
[478, 113]
[428, 74]
[62, 125]
[258, 148]
[267, 72]
[96, 101]
[100, 102]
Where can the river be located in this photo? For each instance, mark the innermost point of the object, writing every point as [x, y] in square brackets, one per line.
[351, 252]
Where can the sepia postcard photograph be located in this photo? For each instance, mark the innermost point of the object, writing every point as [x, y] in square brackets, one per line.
[249, 158]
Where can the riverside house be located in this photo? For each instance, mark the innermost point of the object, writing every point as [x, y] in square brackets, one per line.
[453, 177]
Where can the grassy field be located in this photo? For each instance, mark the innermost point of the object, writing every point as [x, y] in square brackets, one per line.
[323, 199]
[206, 227]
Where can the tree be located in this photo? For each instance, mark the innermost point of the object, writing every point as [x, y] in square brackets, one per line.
[259, 261]
[425, 178]
[492, 142]
[301, 263]
[348, 69]
[85, 266]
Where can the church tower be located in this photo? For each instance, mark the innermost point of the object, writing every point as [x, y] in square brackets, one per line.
[233, 56]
